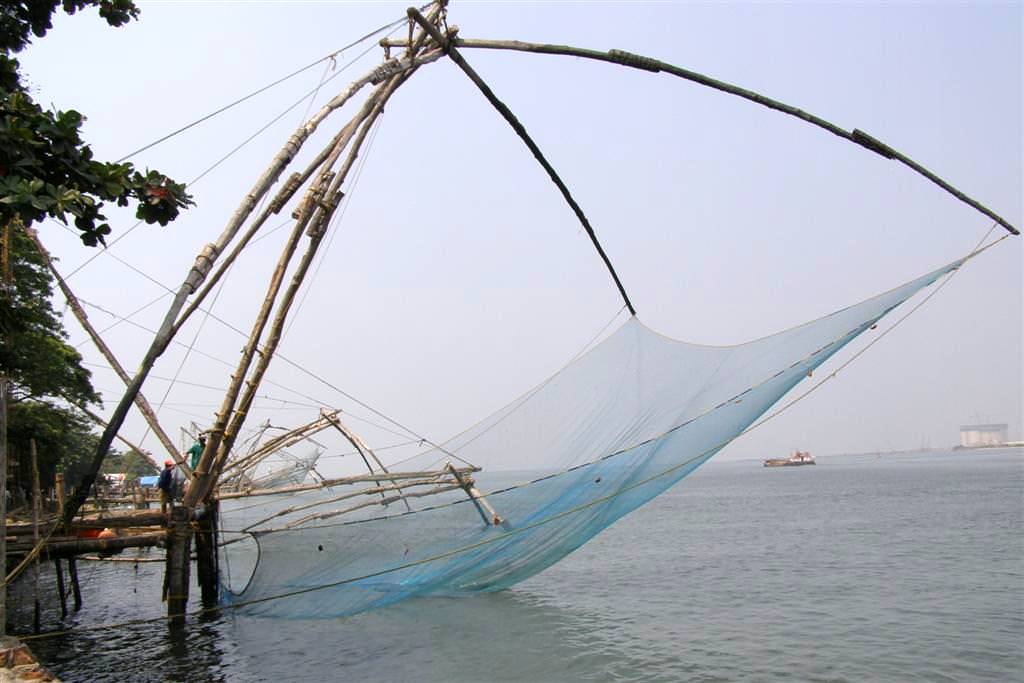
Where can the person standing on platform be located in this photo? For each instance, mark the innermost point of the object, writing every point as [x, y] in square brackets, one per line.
[196, 451]
[166, 484]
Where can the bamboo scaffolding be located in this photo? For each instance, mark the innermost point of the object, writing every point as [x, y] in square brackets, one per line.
[623, 58]
[217, 448]
[285, 440]
[202, 266]
[439, 479]
[385, 502]
[340, 481]
[314, 211]
[363, 450]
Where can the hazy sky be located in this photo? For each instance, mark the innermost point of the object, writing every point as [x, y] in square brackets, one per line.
[457, 278]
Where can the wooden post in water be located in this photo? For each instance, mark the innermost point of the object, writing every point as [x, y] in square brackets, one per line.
[207, 566]
[76, 589]
[61, 591]
[176, 578]
[37, 502]
[58, 488]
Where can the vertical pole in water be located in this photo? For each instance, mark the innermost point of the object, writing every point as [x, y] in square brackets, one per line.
[179, 546]
[58, 487]
[36, 502]
[206, 554]
[3, 502]
[75, 587]
[61, 591]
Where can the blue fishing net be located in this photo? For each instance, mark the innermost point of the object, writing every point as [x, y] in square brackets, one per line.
[609, 432]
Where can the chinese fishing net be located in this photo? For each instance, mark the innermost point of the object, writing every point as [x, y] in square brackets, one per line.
[614, 429]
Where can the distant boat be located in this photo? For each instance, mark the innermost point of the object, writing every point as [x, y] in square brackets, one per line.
[798, 458]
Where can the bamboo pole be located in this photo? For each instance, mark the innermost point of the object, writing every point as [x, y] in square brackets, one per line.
[315, 212]
[386, 501]
[216, 443]
[342, 481]
[140, 400]
[61, 592]
[176, 577]
[193, 280]
[490, 517]
[103, 423]
[76, 588]
[72, 548]
[352, 494]
[37, 502]
[356, 443]
[58, 486]
[281, 441]
[629, 59]
[456, 56]
[290, 187]
[207, 569]
[363, 450]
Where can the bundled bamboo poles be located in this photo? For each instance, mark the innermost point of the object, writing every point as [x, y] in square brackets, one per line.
[271, 446]
[341, 481]
[364, 451]
[438, 479]
[312, 218]
[193, 284]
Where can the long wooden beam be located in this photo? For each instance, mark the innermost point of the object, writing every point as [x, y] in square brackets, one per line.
[342, 481]
[623, 58]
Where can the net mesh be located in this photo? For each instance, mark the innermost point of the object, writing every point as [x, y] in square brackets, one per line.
[603, 436]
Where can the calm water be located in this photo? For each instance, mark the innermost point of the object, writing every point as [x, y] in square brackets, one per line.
[898, 568]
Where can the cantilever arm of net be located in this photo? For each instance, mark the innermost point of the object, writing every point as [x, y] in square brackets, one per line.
[635, 61]
[507, 114]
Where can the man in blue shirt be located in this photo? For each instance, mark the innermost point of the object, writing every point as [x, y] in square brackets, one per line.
[166, 484]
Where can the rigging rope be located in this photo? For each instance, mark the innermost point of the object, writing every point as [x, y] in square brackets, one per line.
[331, 56]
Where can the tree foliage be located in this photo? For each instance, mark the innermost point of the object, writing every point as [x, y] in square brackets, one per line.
[64, 440]
[48, 384]
[34, 353]
[46, 168]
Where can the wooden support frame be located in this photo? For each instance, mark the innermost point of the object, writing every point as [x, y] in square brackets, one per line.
[363, 451]
[490, 517]
[279, 442]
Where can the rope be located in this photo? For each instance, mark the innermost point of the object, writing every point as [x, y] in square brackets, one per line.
[329, 57]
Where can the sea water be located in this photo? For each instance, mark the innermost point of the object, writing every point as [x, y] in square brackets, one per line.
[861, 568]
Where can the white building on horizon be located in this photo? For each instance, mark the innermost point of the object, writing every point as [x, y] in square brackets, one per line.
[975, 436]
